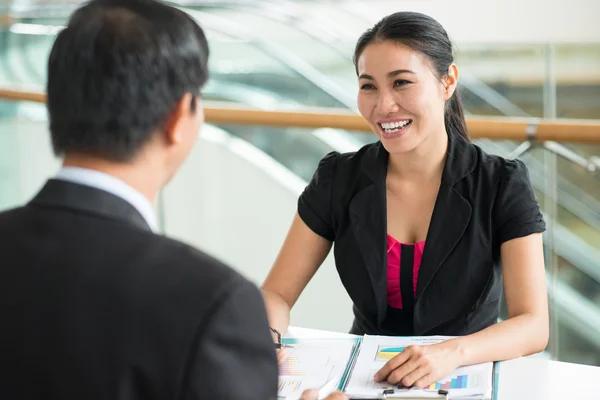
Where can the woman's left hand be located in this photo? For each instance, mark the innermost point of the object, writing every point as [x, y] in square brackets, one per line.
[420, 366]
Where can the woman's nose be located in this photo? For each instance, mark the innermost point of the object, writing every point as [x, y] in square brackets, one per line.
[386, 104]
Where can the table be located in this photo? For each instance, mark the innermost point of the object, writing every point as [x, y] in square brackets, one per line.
[525, 378]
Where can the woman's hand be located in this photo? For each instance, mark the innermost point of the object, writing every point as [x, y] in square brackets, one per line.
[420, 366]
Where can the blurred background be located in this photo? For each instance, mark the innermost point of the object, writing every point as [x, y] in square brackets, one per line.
[523, 61]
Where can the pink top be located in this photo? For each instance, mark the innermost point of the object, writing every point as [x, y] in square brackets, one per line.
[394, 248]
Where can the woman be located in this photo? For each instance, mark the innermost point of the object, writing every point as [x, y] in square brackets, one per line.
[427, 227]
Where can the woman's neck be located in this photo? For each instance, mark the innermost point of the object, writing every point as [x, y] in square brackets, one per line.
[424, 163]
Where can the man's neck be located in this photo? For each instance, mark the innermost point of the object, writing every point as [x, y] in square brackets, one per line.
[134, 175]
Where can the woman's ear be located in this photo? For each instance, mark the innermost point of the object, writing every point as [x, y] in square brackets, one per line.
[450, 81]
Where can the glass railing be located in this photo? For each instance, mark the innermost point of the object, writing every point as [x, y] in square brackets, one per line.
[503, 79]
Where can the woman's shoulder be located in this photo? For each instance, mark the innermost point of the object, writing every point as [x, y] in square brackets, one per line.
[497, 166]
[347, 163]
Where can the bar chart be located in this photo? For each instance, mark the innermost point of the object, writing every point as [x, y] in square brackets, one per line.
[454, 382]
[292, 367]
[288, 385]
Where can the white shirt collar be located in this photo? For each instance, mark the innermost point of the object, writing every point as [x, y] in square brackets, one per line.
[113, 185]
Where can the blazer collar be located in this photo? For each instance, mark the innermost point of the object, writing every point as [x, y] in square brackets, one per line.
[451, 216]
[460, 161]
[85, 199]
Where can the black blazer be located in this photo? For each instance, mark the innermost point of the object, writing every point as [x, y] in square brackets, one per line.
[483, 201]
[95, 306]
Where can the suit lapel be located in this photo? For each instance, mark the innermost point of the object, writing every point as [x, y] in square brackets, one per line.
[367, 213]
[368, 225]
[449, 221]
[451, 214]
[80, 198]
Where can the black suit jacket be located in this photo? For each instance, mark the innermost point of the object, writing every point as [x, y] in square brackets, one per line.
[96, 306]
[483, 201]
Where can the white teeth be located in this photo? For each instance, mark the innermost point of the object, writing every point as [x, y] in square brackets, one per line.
[394, 125]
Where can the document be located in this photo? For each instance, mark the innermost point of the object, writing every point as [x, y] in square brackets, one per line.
[350, 365]
[375, 351]
[314, 364]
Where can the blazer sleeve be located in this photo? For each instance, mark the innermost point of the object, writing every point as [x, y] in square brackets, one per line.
[517, 211]
[234, 356]
[314, 204]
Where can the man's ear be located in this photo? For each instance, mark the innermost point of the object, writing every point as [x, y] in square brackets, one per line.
[185, 108]
[451, 81]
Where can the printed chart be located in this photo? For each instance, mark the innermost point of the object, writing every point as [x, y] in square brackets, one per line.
[313, 364]
[376, 351]
[293, 367]
[288, 385]
[386, 353]
[454, 382]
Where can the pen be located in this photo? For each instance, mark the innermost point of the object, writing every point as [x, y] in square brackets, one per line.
[278, 344]
[283, 345]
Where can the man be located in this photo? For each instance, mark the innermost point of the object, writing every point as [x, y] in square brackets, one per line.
[94, 304]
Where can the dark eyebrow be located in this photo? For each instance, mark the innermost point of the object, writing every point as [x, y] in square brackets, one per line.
[390, 74]
[398, 72]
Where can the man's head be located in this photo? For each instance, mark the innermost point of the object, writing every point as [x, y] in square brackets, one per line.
[124, 79]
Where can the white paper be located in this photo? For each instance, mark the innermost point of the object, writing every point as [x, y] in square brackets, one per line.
[375, 351]
[314, 364]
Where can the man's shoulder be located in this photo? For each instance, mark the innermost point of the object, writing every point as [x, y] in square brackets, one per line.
[197, 283]
[127, 251]
[10, 212]
[176, 258]
[11, 218]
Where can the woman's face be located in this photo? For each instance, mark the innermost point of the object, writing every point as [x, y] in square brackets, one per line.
[400, 96]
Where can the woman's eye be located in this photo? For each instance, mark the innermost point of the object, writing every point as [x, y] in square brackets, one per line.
[367, 86]
[400, 82]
